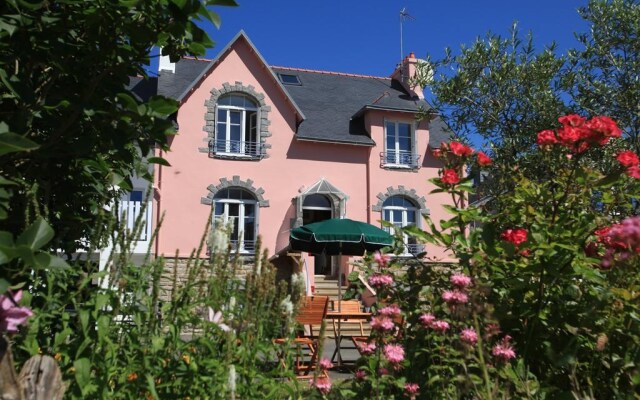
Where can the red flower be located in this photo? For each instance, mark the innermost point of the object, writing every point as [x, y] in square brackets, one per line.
[571, 120]
[450, 177]
[516, 236]
[460, 149]
[547, 138]
[604, 125]
[437, 153]
[633, 172]
[483, 159]
[628, 158]
[569, 135]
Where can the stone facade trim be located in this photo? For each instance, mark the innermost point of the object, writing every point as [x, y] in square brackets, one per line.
[235, 182]
[237, 87]
[420, 201]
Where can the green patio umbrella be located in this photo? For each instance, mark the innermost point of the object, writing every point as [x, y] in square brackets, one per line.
[339, 236]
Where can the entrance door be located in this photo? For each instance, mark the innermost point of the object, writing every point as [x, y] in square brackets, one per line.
[316, 208]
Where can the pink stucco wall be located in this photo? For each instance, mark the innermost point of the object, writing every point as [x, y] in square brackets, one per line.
[291, 167]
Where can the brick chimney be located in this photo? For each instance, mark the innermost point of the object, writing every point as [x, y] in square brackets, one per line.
[403, 74]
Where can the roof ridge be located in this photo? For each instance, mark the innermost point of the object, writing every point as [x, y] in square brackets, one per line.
[318, 71]
[196, 58]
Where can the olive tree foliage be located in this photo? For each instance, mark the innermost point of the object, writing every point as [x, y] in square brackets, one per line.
[504, 90]
[607, 79]
[70, 132]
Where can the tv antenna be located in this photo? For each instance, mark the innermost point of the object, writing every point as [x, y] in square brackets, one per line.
[404, 16]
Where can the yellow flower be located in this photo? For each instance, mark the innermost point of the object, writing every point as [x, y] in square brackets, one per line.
[186, 359]
[57, 357]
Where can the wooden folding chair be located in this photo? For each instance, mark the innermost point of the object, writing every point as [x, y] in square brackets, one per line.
[312, 312]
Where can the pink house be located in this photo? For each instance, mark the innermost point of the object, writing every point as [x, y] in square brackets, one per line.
[269, 148]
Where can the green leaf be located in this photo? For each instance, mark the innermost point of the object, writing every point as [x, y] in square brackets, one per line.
[11, 142]
[4, 285]
[83, 372]
[159, 161]
[162, 106]
[36, 235]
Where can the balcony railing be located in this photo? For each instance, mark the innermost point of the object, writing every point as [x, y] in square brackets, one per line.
[245, 247]
[399, 159]
[129, 212]
[236, 149]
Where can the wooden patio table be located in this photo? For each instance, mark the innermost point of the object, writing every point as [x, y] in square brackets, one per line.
[343, 317]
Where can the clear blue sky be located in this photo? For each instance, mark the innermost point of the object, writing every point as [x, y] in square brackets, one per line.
[363, 36]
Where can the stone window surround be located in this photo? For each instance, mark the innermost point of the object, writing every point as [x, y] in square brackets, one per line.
[238, 183]
[411, 194]
[238, 87]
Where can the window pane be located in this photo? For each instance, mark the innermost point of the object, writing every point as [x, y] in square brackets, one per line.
[234, 133]
[316, 200]
[222, 115]
[235, 117]
[234, 209]
[236, 101]
[224, 101]
[249, 211]
[219, 209]
[391, 136]
[251, 123]
[387, 215]
[135, 195]
[222, 130]
[411, 218]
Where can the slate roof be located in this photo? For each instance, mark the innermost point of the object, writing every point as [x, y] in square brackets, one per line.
[331, 105]
[334, 103]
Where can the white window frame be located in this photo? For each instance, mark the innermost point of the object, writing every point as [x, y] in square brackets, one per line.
[412, 151]
[404, 223]
[244, 130]
[242, 248]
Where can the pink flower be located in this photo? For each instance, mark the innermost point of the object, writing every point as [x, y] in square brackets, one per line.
[633, 172]
[360, 375]
[628, 158]
[390, 311]
[216, 318]
[382, 323]
[381, 259]
[10, 314]
[546, 138]
[427, 319]
[322, 384]
[516, 236]
[394, 353]
[460, 149]
[469, 335]
[440, 326]
[380, 280]
[450, 177]
[325, 363]
[383, 371]
[460, 280]
[411, 388]
[483, 159]
[572, 120]
[455, 296]
[605, 125]
[367, 348]
[503, 350]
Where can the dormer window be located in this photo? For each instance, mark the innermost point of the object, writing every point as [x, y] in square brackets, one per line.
[237, 127]
[290, 79]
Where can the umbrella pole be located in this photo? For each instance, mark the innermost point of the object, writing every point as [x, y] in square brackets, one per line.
[340, 278]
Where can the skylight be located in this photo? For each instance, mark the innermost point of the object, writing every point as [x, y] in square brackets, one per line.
[289, 79]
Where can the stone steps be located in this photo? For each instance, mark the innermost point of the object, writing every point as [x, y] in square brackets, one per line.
[328, 286]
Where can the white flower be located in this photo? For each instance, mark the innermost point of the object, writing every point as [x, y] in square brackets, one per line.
[287, 306]
[216, 318]
[219, 238]
[232, 380]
